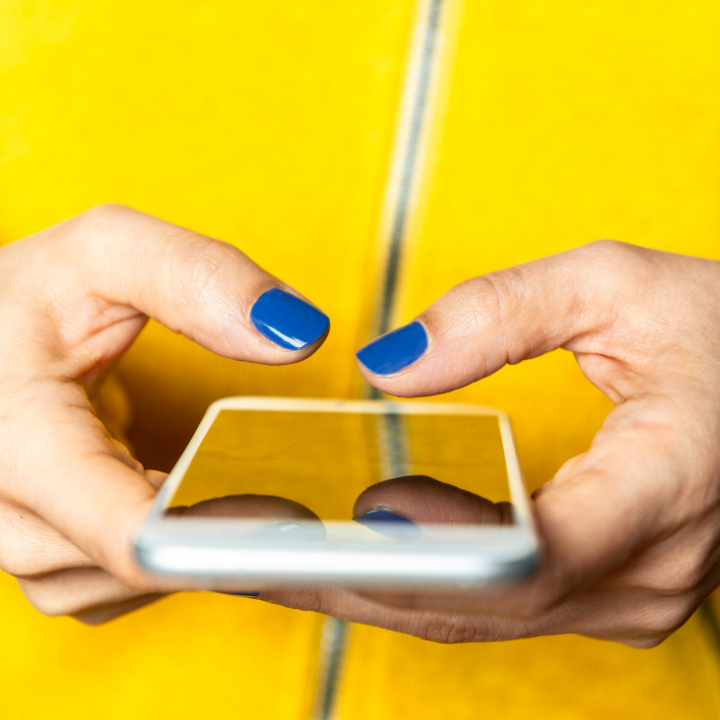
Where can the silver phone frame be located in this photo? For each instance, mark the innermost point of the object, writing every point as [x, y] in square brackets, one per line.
[212, 555]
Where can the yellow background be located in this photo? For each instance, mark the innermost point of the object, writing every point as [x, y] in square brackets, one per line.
[269, 125]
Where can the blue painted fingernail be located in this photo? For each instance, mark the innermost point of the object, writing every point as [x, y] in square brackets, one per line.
[287, 320]
[388, 523]
[396, 350]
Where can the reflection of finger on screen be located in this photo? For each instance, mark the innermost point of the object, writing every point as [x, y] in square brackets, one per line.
[248, 506]
[423, 499]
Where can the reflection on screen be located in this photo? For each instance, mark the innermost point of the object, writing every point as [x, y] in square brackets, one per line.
[381, 469]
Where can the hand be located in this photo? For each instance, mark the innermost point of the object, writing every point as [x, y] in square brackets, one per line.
[72, 300]
[631, 527]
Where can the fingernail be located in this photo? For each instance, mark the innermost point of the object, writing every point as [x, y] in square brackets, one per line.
[249, 595]
[388, 523]
[396, 350]
[287, 320]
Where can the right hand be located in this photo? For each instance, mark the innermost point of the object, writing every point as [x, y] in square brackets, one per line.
[72, 300]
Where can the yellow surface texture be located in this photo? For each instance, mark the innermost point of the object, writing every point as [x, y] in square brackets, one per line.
[188, 656]
[269, 125]
[566, 123]
[559, 678]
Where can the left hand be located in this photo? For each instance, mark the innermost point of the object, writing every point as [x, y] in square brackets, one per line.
[631, 527]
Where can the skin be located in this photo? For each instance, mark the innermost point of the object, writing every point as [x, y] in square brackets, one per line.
[631, 527]
[425, 500]
[72, 300]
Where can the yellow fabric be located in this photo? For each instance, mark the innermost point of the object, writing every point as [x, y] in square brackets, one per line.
[559, 678]
[190, 656]
[269, 125]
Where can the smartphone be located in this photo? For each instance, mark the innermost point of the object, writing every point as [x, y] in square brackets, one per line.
[282, 492]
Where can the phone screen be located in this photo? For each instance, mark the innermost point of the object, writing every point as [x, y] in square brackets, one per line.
[327, 466]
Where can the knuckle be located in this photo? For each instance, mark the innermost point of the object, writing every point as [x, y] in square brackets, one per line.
[18, 564]
[660, 621]
[684, 580]
[610, 249]
[202, 265]
[46, 601]
[454, 629]
[606, 245]
[11, 563]
[445, 630]
[618, 256]
[96, 218]
[104, 212]
[645, 643]
[676, 577]
[29, 548]
[203, 262]
[88, 231]
[495, 292]
[485, 301]
[73, 591]
[25, 565]
[205, 272]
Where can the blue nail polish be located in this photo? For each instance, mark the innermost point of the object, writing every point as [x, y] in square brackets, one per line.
[287, 320]
[396, 350]
[388, 523]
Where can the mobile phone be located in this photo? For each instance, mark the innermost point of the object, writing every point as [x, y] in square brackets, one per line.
[281, 492]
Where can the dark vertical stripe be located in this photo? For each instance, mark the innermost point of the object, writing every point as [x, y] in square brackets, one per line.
[388, 299]
[333, 642]
[333, 647]
[407, 177]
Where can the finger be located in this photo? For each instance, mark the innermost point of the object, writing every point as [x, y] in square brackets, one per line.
[634, 486]
[156, 478]
[629, 616]
[103, 614]
[593, 520]
[502, 318]
[68, 592]
[78, 481]
[29, 546]
[203, 288]
[250, 507]
[99, 496]
[77, 497]
[267, 516]
[425, 500]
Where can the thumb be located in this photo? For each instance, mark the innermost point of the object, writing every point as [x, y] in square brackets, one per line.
[203, 288]
[492, 320]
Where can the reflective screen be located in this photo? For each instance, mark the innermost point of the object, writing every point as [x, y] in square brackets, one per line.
[408, 470]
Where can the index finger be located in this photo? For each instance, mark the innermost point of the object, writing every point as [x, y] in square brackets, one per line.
[206, 289]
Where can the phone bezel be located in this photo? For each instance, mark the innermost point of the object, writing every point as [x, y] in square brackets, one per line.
[213, 555]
